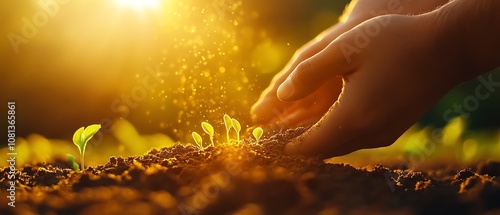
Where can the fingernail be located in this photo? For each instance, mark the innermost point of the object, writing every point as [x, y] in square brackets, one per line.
[286, 89]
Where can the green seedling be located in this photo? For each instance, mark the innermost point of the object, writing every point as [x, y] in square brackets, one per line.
[197, 140]
[228, 124]
[209, 130]
[237, 127]
[257, 133]
[73, 162]
[82, 137]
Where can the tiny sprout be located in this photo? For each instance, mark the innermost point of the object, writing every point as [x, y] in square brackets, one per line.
[237, 127]
[228, 124]
[198, 140]
[73, 162]
[257, 133]
[81, 137]
[209, 130]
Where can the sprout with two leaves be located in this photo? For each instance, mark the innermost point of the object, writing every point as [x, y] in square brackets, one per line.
[80, 138]
[198, 140]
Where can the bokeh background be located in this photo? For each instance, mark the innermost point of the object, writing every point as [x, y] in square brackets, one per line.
[151, 71]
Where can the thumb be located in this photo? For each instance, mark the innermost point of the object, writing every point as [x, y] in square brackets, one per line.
[313, 72]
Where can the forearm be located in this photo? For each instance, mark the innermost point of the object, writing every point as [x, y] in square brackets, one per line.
[360, 10]
[474, 27]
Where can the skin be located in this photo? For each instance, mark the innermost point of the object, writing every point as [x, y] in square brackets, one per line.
[308, 110]
[367, 90]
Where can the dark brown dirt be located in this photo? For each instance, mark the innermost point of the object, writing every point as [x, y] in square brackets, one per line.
[248, 179]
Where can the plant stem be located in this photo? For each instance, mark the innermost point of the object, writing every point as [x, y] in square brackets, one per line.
[83, 161]
[212, 140]
[228, 140]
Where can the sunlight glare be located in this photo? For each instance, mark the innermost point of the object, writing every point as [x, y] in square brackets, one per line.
[139, 4]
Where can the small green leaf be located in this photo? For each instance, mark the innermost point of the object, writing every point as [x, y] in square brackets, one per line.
[227, 122]
[257, 133]
[208, 128]
[197, 139]
[236, 125]
[73, 162]
[89, 132]
[77, 138]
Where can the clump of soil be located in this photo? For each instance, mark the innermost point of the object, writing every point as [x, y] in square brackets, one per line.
[247, 179]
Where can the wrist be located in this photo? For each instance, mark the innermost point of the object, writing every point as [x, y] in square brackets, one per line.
[447, 47]
[467, 31]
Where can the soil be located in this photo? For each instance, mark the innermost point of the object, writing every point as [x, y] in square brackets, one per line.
[248, 179]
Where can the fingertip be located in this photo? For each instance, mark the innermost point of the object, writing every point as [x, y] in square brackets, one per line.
[258, 113]
[286, 90]
[266, 110]
[254, 110]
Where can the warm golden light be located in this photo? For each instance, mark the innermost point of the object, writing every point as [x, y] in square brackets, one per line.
[139, 4]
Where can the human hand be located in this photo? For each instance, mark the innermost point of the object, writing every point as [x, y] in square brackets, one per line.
[270, 110]
[389, 83]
